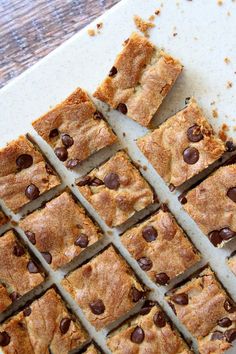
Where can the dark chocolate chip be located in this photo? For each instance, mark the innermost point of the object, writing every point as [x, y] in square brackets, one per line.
[112, 181]
[4, 339]
[65, 325]
[72, 163]
[226, 233]
[164, 207]
[159, 319]
[137, 335]
[230, 335]
[31, 237]
[191, 155]
[84, 181]
[136, 294]
[194, 133]
[229, 306]
[232, 194]
[217, 335]
[171, 187]
[149, 233]
[97, 307]
[32, 192]
[182, 198]
[162, 278]
[122, 108]
[180, 299]
[98, 115]
[145, 263]
[18, 250]
[61, 153]
[187, 99]
[27, 311]
[113, 71]
[47, 256]
[82, 241]
[147, 306]
[230, 146]
[14, 296]
[215, 238]
[24, 161]
[53, 133]
[96, 182]
[32, 267]
[49, 169]
[224, 322]
[173, 307]
[67, 140]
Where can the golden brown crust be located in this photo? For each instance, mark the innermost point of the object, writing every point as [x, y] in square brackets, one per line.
[115, 206]
[144, 76]
[15, 278]
[14, 180]
[170, 252]
[76, 116]
[3, 218]
[232, 263]
[58, 226]
[164, 147]
[39, 332]
[157, 340]
[99, 279]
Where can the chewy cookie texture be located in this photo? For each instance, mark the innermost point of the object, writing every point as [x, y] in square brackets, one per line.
[45, 326]
[75, 129]
[94, 284]
[24, 174]
[116, 189]
[160, 247]
[182, 146]
[18, 272]
[204, 300]
[60, 230]
[140, 79]
[212, 205]
[149, 332]
[232, 262]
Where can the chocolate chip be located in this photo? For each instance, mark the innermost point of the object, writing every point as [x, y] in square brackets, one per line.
[136, 294]
[82, 241]
[32, 192]
[97, 307]
[112, 181]
[224, 322]
[162, 278]
[137, 335]
[217, 335]
[4, 339]
[159, 319]
[226, 233]
[61, 153]
[171, 187]
[229, 306]
[18, 250]
[72, 163]
[182, 198]
[98, 115]
[187, 99]
[180, 299]
[191, 155]
[84, 181]
[215, 238]
[32, 267]
[173, 307]
[164, 207]
[96, 182]
[194, 133]
[67, 140]
[147, 306]
[49, 169]
[31, 237]
[230, 146]
[149, 233]
[230, 335]
[145, 263]
[14, 296]
[27, 311]
[53, 133]
[65, 325]
[113, 71]
[24, 161]
[47, 256]
[122, 108]
[232, 194]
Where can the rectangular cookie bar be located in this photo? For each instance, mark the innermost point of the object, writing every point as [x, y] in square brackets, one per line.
[60, 230]
[75, 129]
[3, 218]
[24, 174]
[212, 205]
[18, 272]
[148, 332]
[45, 326]
[160, 247]
[140, 79]
[232, 262]
[116, 189]
[182, 146]
[105, 288]
[205, 308]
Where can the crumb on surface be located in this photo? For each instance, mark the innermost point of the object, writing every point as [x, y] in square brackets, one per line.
[124, 134]
[157, 12]
[222, 133]
[99, 25]
[219, 2]
[142, 25]
[175, 34]
[226, 60]
[212, 103]
[91, 32]
[151, 18]
[215, 113]
[229, 84]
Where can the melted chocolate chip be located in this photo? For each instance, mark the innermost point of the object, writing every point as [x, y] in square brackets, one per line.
[137, 335]
[72, 163]
[224, 322]
[230, 146]
[122, 108]
[194, 133]
[149, 233]
[82, 241]
[180, 299]
[27, 311]
[147, 306]
[113, 71]
[171, 187]
[67, 140]
[96, 182]
[24, 161]
[18, 250]
[145, 263]
[215, 238]
[53, 133]
[182, 198]
[47, 256]
[164, 207]
[98, 115]
[229, 306]
[65, 325]
[136, 294]
[84, 181]
[14, 296]
[162, 278]
[32, 267]
[173, 307]
[49, 169]
[217, 335]
[4, 339]
[226, 233]
[191, 155]
[232, 194]
[97, 307]
[230, 335]
[112, 181]
[159, 319]
[32, 192]
[31, 237]
[61, 153]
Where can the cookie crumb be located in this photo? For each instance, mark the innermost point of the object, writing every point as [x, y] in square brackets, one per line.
[151, 18]
[175, 34]
[215, 113]
[142, 25]
[91, 32]
[99, 25]
[222, 133]
[226, 60]
[219, 2]
[229, 84]
[157, 12]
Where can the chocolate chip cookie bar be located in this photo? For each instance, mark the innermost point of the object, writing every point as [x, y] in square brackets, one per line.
[116, 190]
[160, 247]
[75, 129]
[24, 174]
[232, 262]
[212, 205]
[183, 146]
[45, 326]
[140, 79]
[18, 272]
[105, 288]
[149, 332]
[3, 218]
[207, 311]
[60, 230]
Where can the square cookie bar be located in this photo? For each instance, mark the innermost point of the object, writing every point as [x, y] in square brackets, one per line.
[24, 174]
[75, 129]
[18, 272]
[3, 218]
[205, 308]
[60, 230]
[160, 247]
[148, 332]
[45, 326]
[140, 79]
[232, 262]
[105, 288]
[182, 146]
[116, 189]
[212, 205]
